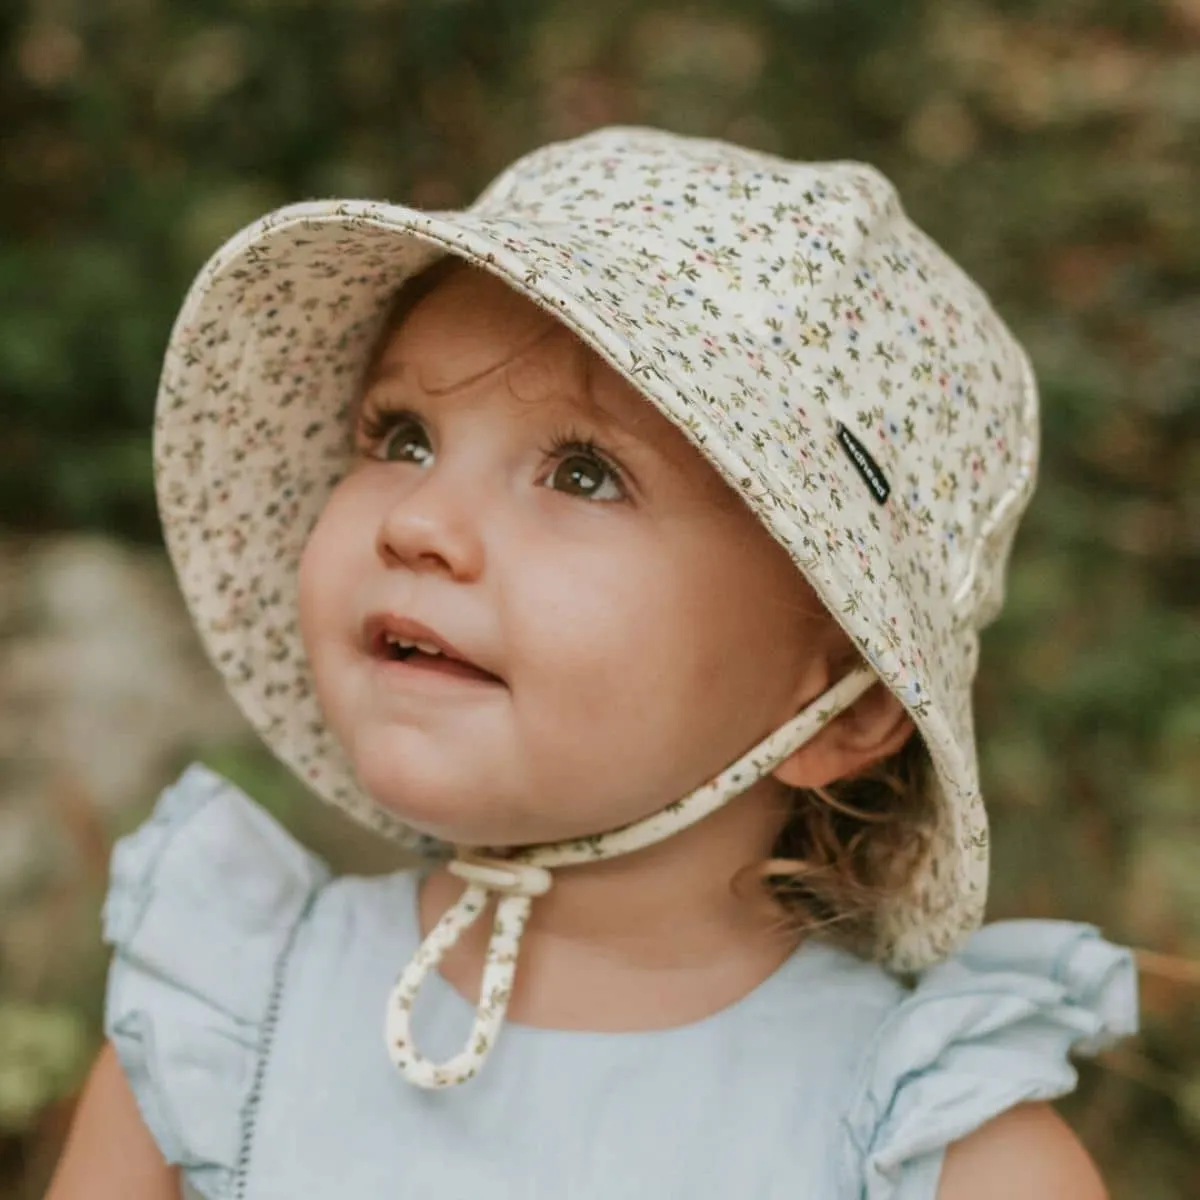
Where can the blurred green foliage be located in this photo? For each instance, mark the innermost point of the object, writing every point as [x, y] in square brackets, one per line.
[1053, 146]
[40, 1047]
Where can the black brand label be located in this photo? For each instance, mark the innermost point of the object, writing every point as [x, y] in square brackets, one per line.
[864, 464]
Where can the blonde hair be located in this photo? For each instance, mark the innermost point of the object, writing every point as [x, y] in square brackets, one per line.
[846, 849]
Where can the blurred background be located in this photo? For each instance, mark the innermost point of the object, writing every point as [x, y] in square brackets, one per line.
[1053, 146]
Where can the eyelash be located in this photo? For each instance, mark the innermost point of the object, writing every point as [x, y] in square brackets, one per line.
[569, 441]
[377, 421]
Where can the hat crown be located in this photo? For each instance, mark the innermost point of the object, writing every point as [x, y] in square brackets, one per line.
[801, 295]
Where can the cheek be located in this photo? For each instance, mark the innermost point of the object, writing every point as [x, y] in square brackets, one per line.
[584, 621]
[639, 624]
[578, 613]
[729, 623]
[327, 552]
[647, 671]
[308, 588]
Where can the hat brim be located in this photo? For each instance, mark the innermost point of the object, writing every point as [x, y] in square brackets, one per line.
[251, 435]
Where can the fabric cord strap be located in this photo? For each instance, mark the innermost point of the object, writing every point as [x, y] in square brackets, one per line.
[519, 879]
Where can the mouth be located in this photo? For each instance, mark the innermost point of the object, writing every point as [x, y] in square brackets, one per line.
[408, 645]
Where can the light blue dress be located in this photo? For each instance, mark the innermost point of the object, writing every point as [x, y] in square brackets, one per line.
[246, 1000]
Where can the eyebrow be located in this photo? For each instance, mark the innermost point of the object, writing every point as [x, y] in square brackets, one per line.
[586, 398]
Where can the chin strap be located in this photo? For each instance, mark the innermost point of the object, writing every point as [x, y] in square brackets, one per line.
[519, 879]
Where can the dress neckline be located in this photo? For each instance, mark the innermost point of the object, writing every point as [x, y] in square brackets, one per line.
[801, 965]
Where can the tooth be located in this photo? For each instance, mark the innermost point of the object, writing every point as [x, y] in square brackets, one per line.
[427, 648]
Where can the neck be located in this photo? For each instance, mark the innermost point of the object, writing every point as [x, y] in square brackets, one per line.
[650, 939]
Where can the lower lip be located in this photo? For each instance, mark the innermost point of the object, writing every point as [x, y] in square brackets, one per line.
[435, 670]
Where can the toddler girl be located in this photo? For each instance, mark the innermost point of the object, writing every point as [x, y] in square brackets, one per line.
[622, 544]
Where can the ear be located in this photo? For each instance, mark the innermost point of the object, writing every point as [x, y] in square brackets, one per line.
[870, 730]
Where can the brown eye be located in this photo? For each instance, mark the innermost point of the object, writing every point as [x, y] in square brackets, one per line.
[405, 441]
[586, 476]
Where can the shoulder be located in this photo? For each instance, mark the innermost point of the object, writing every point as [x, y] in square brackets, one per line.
[951, 1084]
[204, 905]
[204, 900]
[1028, 1151]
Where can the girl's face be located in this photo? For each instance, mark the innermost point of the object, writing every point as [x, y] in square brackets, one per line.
[630, 627]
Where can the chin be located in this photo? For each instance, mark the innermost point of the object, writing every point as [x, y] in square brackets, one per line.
[463, 802]
[446, 805]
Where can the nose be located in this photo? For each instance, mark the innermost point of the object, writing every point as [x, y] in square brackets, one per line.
[433, 526]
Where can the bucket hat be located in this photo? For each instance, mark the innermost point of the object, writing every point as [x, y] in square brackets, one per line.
[842, 374]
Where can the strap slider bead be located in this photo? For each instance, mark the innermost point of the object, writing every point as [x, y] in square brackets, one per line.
[498, 875]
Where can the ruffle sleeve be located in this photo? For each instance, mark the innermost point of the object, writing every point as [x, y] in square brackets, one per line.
[203, 905]
[984, 1031]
